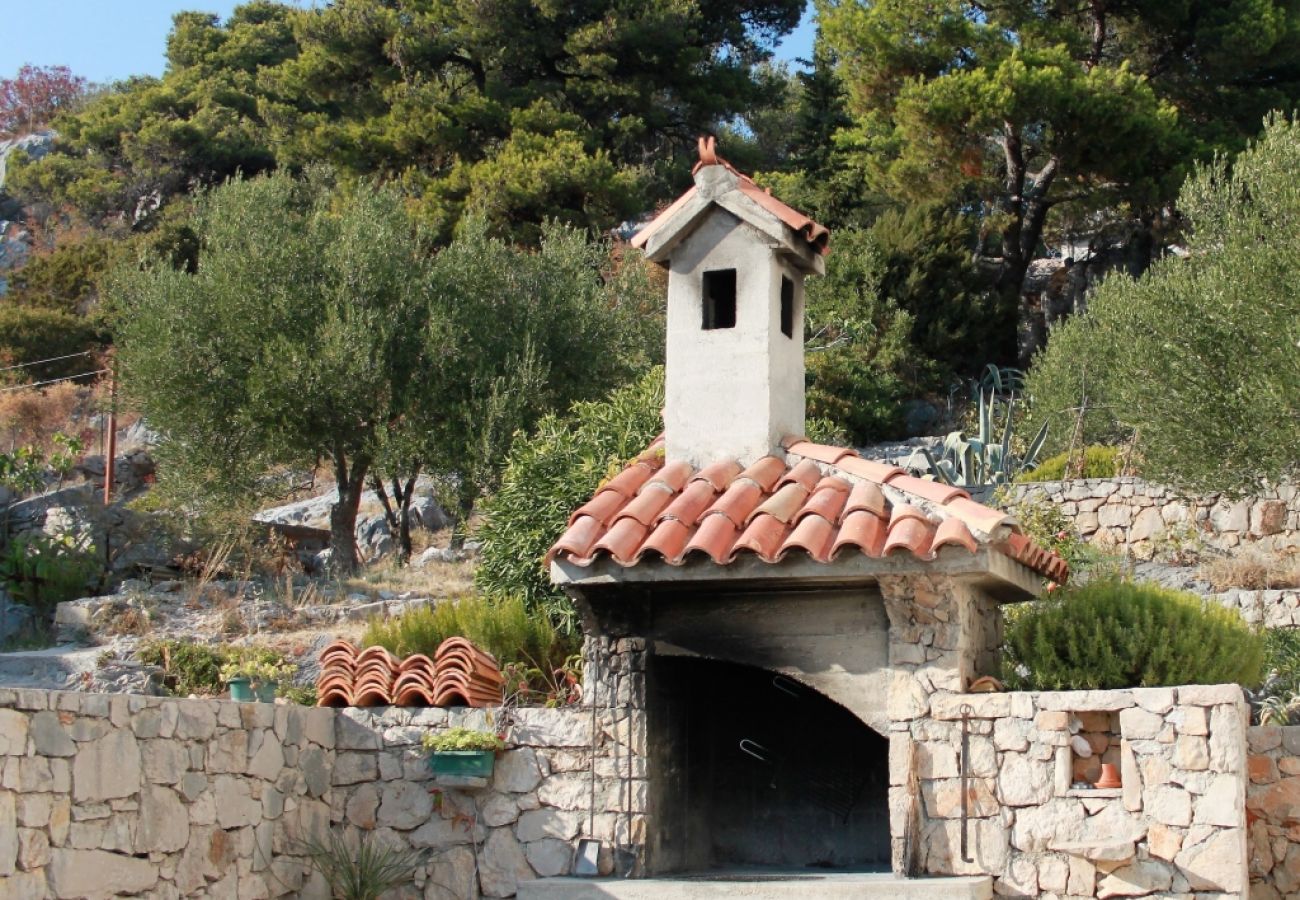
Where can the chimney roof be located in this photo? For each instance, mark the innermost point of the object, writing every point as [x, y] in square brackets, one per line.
[734, 191]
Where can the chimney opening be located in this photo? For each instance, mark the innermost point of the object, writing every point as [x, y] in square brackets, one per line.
[719, 299]
[787, 307]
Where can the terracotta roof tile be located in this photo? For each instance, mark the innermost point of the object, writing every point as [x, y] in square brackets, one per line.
[459, 674]
[802, 504]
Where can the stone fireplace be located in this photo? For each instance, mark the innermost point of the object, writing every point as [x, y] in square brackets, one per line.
[765, 615]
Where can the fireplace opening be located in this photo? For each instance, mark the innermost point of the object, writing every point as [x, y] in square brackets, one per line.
[751, 769]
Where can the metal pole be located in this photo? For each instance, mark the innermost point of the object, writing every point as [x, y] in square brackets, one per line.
[111, 450]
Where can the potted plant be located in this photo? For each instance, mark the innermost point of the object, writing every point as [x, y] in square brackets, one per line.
[462, 752]
[254, 679]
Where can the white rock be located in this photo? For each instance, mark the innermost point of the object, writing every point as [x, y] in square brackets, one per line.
[107, 768]
[94, 874]
[549, 857]
[1170, 806]
[502, 865]
[1218, 864]
[537, 824]
[404, 805]
[1223, 803]
[1022, 782]
[8, 834]
[164, 823]
[13, 733]
[1138, 878]
[1139, 724]
[516, 771]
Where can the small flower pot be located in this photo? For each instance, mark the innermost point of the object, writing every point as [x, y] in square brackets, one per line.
[241, 691]
[463, 763]
[1109, 776]
[266, 691]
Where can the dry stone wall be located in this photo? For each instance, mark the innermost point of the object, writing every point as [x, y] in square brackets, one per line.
[116, 795]
[1135, 516]
[1273, 811]
[1176, 826]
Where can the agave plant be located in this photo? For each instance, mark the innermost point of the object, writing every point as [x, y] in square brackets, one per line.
[978, 461]
[362, 871]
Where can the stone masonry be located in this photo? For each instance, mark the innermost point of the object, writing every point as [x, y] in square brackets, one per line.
[106, 796]
[1135, 516]
[1273, 811]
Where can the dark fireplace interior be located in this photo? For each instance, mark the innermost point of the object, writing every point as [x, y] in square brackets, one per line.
[751, 769]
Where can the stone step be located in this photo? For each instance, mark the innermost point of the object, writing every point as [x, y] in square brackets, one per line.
[761, 886]
[56, 668]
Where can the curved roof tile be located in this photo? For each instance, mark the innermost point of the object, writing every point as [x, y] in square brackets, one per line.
[819, 500]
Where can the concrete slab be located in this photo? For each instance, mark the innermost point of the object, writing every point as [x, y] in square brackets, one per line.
[761, 886]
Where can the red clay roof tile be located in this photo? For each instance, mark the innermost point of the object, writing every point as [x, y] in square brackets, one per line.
[784, 504]
[776, 507]
[863, 530]
[953, 531]
[601, 507]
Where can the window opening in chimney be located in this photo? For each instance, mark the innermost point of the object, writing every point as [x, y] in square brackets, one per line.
[787, 307]
[720, 299]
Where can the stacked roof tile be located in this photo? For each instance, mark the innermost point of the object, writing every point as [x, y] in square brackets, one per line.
[459, 674]
[819, 501]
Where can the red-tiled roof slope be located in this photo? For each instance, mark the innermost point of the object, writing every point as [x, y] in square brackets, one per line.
[817, 235]
[819, 501]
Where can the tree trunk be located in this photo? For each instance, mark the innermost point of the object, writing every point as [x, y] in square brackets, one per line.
[405, 494]
[344, 559]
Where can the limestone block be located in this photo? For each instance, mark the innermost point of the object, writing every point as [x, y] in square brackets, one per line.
[60, 820]
[354, 768]
[107, 768]
[404, 805]
[48, 735]
[13, 733]
[1011, 734]
[1139, 724]
[517, 771]
[1054, 874]
[452, 873]
[8, 833]
[1020, 879]
[1146, 525]
[1216, 864]
[907, 698]
[934, 760]
[549, 857]
[34, 809]
[164, 822]
[537, 824]
[1083, 877]
[228, 753]
[503, 865]
[941, 846]
[1086, 701]
[1164, 842]
[1268, 517]
[1227, 739]
[438, 833]
[1137, 879]
[195, 720]
[268, 760]
[1130, 777]
[1170, 806]
[314, 767]
[498, 809]
[540, 727]
[1191, 753]
[361, 806]
[165, 762]
[943, 798]
[33, 849]
[1223, 803]
[236, 806]
[1191, 720]
[94, 874]
[1023, 782]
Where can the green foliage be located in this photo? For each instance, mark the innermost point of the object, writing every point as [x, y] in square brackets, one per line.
[257, 668]
[1111, 633]
[860, 364]
[1098, 461]
[528, 114]
[1199, 355]
[549, 474]
[364, 869]
[983, 460]
[503, 627]
[1278, 699]
[65, 280]
[1051, 529]
[198, 668]
[28, 335]
[461, 739]
[43, 571]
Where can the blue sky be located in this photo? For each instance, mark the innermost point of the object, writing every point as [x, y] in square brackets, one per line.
[106, 40]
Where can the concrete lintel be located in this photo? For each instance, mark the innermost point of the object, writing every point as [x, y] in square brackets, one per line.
[1004, 578]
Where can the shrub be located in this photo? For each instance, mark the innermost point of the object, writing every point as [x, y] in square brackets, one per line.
[363, 870]
[551, 473]
[1112, 633]
[1043, 521]
[30, 335]
[197, 668]
[1278, 699]
[1099, 461]
[42, 571]
[503, 627]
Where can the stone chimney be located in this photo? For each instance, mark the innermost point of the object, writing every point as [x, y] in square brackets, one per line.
[736, 259]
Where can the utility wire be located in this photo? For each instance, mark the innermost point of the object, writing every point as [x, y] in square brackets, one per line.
[51, 359]
[36, 384]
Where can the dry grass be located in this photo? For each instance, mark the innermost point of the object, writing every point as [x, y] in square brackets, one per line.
[1253, 570]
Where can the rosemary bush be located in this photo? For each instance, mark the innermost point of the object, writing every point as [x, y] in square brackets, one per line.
[1111, 633]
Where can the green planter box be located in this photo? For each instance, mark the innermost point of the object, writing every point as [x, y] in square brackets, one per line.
[266, 692]
[463, 763]
[240, 690]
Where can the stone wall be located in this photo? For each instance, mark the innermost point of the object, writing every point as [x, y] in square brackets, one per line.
[1177, 825]
[104, 796]
[1133, 515]
[1273, 810]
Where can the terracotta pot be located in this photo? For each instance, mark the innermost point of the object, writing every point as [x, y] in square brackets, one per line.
[1109, 776]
